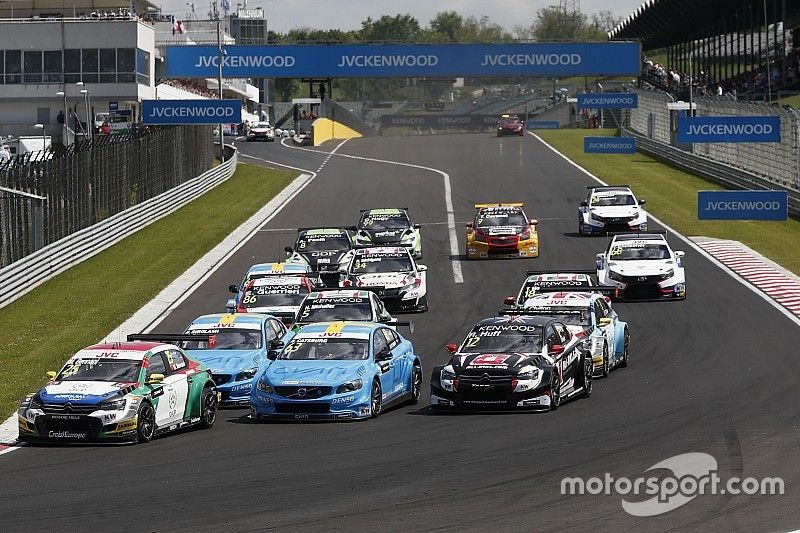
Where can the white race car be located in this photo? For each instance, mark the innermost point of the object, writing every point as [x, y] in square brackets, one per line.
[279, 296]
[642, 265]
[261, 131]
[392, 273]
[613, 208]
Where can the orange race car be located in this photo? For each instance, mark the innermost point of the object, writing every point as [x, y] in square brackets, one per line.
[501, 230]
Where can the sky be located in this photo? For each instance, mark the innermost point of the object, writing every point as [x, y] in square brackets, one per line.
[283, 15]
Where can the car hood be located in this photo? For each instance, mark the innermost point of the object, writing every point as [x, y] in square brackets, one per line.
[641, 268]
[228, 361]
[304, 372]
[389, 280]
[502, 230]
[477, 364]
[323, 260]
[384, 236]
[616, 211]
[278, 310]
[83, 392]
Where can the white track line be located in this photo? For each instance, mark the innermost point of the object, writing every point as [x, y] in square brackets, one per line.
[686, 240]
[458, 276]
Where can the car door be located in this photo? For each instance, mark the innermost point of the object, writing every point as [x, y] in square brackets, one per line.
[176, 389]
[570, 359]
[402, 364]
[602, 310]
[387, 368]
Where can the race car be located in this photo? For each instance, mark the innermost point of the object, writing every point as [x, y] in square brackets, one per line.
[642, 266]
[611, 209]
[540, 279]
[501, 230]
[389, 227]
[325, 250]
[393, 274]
[518, 361]
[586, 313]
[236, 347]
[510, 125]
[268, 270]
[279, 296]
[342, 304]
[261, 131]
[338, 371]
[120, 391]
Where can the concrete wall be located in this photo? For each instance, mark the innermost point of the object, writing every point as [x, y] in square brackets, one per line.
[326, 129]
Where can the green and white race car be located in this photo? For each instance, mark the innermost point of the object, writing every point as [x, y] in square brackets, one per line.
[389, 227]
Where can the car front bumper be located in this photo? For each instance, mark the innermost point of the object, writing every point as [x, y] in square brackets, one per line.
[521, 249]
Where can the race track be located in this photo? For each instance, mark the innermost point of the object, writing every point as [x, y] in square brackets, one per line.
[715, 374]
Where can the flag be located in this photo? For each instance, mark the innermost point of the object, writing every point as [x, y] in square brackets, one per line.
[177, 26]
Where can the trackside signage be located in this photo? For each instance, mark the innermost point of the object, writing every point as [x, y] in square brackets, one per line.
[756, 129]
[742, 205]
[609, 145]
[191, 111]
[608, 101]
[542, 124]
[353, 61]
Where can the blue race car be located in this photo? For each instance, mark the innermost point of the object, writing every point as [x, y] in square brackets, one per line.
[236, 347]
[338, 370]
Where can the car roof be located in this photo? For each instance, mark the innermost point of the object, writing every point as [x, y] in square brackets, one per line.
[344, 293]
[228, 320]
[377, 250]
[563, 298]
[386, 211]
[650, 237]
[341, 329]
[322, 231]
[287, 281]
[506, 320]
[278, 268]
[559, 276]
[120, 350]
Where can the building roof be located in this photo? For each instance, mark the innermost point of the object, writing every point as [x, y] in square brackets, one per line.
[68, 8]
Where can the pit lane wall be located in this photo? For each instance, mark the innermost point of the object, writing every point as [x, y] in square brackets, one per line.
[325, 129]
[21, 277]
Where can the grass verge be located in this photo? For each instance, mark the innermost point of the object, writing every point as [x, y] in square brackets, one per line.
[672, 197]
[793, 101]
[78, 307]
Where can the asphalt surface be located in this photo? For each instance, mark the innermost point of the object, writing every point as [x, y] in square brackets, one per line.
[716, 373]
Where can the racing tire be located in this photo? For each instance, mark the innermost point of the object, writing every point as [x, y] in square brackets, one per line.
[208, 408]
[588, 371]
[146, 423]
[422, 306]
[416, 385]
[606, 364]
[555, 393]
[626, 342]
[375, 399]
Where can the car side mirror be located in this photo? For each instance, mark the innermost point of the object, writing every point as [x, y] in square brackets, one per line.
[604, 322]
[468, 224]
[233, 288]
[679, 253]
[642, 201]
[422, 268]
[276, 344]
[556, 349]
[509, 300]
[288, 249]
[417, 226]
[230, 306]
[154, 379]
[534, 222]
[584, 204]
[451, 347]
[51, 375]
[385, 355]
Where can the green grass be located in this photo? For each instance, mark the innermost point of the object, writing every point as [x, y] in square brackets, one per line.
[77, 308]
[672, 196]
[793, 101]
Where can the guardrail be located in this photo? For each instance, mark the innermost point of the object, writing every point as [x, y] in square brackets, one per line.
[24, 275]
[725, 175]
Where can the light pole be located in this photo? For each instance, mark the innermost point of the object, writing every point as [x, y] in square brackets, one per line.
[65, 126]
[87, 132]
[44, 137]
[219, 82]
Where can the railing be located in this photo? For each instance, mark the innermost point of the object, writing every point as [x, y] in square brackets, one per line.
[28, 273]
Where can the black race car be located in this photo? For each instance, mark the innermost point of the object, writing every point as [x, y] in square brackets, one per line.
[510, 125]
[513, 361]
[325, 250]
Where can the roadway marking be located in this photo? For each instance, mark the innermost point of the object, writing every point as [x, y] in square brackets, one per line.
[330, 154]
[287, 230]
[791, 316]
[455, 261]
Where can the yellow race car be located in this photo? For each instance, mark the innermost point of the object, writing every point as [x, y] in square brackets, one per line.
[501, 230]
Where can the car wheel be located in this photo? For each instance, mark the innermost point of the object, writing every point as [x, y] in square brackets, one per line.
[625, 348]
[146, 423]
[375, 399]
[588, 370]
[555, 393]
[605, 360]
[581, 229]
[416, 385]
[208, 409]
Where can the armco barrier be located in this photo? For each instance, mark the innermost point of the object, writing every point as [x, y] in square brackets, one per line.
[24, 275]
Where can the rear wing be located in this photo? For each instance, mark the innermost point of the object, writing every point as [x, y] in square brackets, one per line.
[572, 288]
[343, 228]
[399, 324]
[399, 208]
[167, 337]
[541, 310]
[504, 204]
[636, 235]
[564, 271]
[392, 245]
[606, 187]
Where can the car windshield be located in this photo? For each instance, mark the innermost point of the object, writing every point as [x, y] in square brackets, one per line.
[332, 309]
[493, 219]
[115, 370]
[509, 122]
[319, 243]
[325, 349]
[503, 339]
[639, 252]
[572, 318]
[262, 125]
[374, 221]
[225, 339]
[612, 199]
[274, 296]
[374, 264]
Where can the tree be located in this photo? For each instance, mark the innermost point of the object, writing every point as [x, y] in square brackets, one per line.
[555, 24]
[402, 28]
[605, 20]
[447, 26]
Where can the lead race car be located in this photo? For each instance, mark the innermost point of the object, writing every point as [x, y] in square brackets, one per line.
[120, 391]
[511, 362]
[389, 227]
[611, 208]
[642, 266]
[393, 274]
[338, 371]
[501, 230]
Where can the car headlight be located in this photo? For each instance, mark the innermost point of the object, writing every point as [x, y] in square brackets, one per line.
[666, 275]
[263, 386]
[114, 405]
[31, 402]
[350, 386]
[593, 216]
[408, 236]
[246, 374]
[616, 276]
[531, 373]
[448, 380]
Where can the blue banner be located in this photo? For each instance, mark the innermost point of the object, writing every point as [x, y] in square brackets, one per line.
[542, 124]
[415, 60]
[191, 111]
[742, 205]
[608, 100]
[756, 129]
[609, 145]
